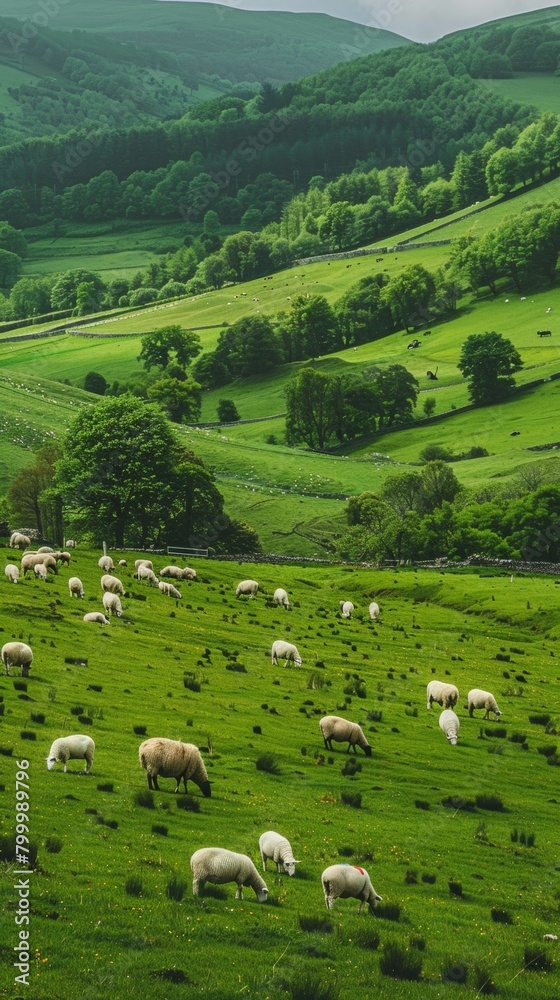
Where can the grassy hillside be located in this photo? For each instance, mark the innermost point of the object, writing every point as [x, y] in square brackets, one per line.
[539, 89]
[108, 853]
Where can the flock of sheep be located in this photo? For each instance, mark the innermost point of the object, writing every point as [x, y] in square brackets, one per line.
[161, 757]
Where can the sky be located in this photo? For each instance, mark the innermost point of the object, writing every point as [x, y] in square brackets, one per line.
[421, 20]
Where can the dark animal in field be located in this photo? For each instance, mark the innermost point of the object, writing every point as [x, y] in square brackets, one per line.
[544, 333]
[427, 333]
[432, 375]
[378, 260]
[513, 434]
[413, 344]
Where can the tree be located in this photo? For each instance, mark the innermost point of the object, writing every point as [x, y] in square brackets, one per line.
[311, 410]
[178, 393]
[94, 382]
[27, 494]
[249, 346]
[488, 361]
[439, 485]
[361, 312]
[12, 239]
[309, 329]
[227, 411]
[160, 346]
[64, 292]
[409, 294]
[397, 392]
[429, 405]
[10, 265]
[88, 298]
[30, 297]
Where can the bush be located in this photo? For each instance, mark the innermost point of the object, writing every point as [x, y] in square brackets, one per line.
[133, 886]
[353, 799]
[316, 925]
[227, 411]
[145, 799]
[176, 889]
[268, 762]
[53, 845]
[435, 453]
[491, 802]
[400, 963]
[190, 682]
[500, 916]
[310, 984]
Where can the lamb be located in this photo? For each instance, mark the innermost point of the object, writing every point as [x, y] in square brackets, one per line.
[272, 845]
[145, 573]
[17, 654]
[75, 747]
[281, 597]
[75, 586]
[449, 724]
[374, 610]
[217, 865]
[40, 571]
[19, 541]
[333, 727]
[106, 564]
[112, 604]
[63, 557]
[173, 759]
[188, 573]
[249, 587]
[112, 584]
[346, 609]
[142, 562]
[446, 695]
[29, 560]
[348, 882]
[169, 589]
[483, 699]
[286, 651]
[123, 562]
[96, 616]
[70, 543]
[12, 573]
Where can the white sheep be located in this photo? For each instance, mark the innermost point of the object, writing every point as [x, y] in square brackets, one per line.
[482, 699]
[77, 747]
[112, 584]
[272, 845]
[19, 541]
[173, 759]
[49, 562]
[71, 543]
[142, 562]
[40, 571]
[176, 573]
[249, 587]
[145, 573]
[12, 573]
[112, 604]
[75, 586]
[188, 573]
[349, 882]
[333, 727]
[96, 616]
[45, 548]
[17, 654]
[285, 651]
[346, 609]
[106, 564]
[374, 610]
[169, 589]
[217, 865]
[446, 695]
[280, 597]
[123, 562]
[449, 724]
[63, 557]
[29, 560]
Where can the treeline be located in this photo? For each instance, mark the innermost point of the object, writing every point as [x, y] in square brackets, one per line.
[498, 50]
[429, 514]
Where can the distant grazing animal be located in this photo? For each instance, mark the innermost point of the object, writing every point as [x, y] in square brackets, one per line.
[112, 584]
[178, 573]
[12, 573]
[123, 562]
[348, 882]
[169, 589]
[143, 562]
[413, 344]
[40, 571]
[432, 375]
[446, 695]
[96, 616]
[249, 587]
[514, 434]
[173, 759]
[112, 604]
[70, 543]
[346, 609]
[77, 747]
[281, 597]
[75, 586]
[272, 845]
[285, 651]
[217, 865]
[544, 333]
[374, 610]
[482, 699]
[333, 727]
[19, 541]
[449, 724]
[45, 548]
[17, 654]
[145, 573]
[106, 564]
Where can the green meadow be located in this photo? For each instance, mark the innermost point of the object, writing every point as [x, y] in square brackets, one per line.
[540, 89]
[459, 841]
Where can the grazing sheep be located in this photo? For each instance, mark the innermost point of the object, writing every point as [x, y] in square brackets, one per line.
[169, 589]
[449, 724]
[45, 548]
[40, 571]
[281, 597]
[333, 727]
[145, 573]
[173, 759]
[216, 865]
[176, 573]
[70, 543]
[285, 651]
[482, 699]
[446, 695]
[49, 562]
[112, 604]
[75, 747]
[12, 572]
[346, 609]
[188, 573]
[75, 586]
[106, 564]
[19, 540]
[29, 560]
[17, 654]
[112, 584]
[96, 616]
[348, 882]
[63, 557]
[123, 562]
[373, 610]
[272, 845]
[142, 562]
[249, 587]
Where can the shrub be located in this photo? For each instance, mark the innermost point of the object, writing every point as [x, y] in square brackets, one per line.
[436, 453]
[536, 959]
[53, 845]
[133, 886]
[145, 799]
[492, 803]
[400, 963]
[500, 916]
[388, 911]
[190, 682]
[353, 799]
[366, 937]
[188, 803]
[268, 762]
[316, 925]
[175, 889]
[160, 829]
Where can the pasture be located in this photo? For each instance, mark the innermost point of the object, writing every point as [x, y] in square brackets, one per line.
[542, 90]
[460, 841]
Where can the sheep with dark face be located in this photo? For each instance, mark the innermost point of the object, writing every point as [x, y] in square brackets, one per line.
[446, 695]
[333, 727]
[17, 654]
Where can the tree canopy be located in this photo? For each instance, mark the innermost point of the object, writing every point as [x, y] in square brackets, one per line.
[488, 361]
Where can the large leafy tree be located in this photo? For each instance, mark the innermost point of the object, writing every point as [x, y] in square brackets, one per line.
[409, 295]
[309, 329]
[178, 393]
[169, 343]
[249, 346]
[311, 408]
[488, 361]
[397, 391]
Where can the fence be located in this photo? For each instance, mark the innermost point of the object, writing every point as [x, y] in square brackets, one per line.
[173, 550]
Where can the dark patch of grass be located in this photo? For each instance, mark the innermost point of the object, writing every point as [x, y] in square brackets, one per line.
[400, 963]
[76, 661]
[411, 878]
[536, 959]
[28, 734]
[86, 720]
[268, 762]
[495, 732]
[548, 751]
[237, 668]
[366, 937]
[191, 683]
[140, 730]
[112, 824]
[107, 786]
[53, 845]
[456, 802]
[518, 738]
[94, 687]
[351, 767]
[38, 717]
[20, 686]
[500, 916]
[428, 878]
[8, 849]
[188, 803]
[388, 911]
[175, 889]
[176, 976]
[454, 972]
[6, 751]
[77, 710]
[315, 925]
[133, 886]
[160, 829]
[455, 888]
[503, 657]
[144, 798]
[483, 982]
[257, 730]
[421, 804]
[374, 716]
[353, 799]
[346, 851]
[492, 803]
[541, 719]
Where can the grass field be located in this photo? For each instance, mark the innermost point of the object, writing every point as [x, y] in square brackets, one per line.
[98, 842]
[540, 89]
